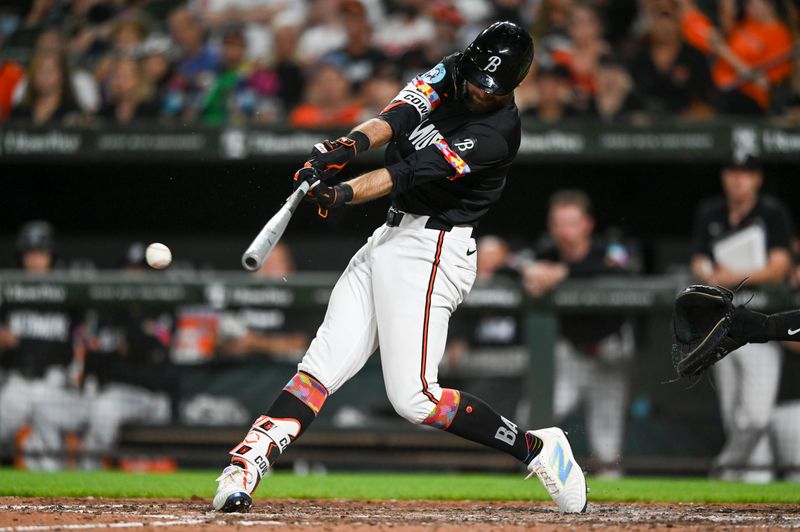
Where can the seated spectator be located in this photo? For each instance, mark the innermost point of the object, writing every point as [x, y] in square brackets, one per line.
[552, 20]
[593, 353]
[447, 21]
[582, 52]
[322, 32]
[359, 60]
[278, 84]
[672, 77]
[328, 103]
[126, 36]
[196, 68]
[130, 95]
[406, 29]
[83, 84]
[553, 96]
[155, 55]
[614, 100]
[763, 43]
[48, 98]
[229, 99]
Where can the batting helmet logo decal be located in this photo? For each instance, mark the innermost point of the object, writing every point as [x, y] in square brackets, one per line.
[494, 62]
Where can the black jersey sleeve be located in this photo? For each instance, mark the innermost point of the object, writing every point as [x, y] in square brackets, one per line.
[477, 148]
[415, 102]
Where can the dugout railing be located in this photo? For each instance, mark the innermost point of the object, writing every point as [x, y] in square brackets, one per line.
[672, 427]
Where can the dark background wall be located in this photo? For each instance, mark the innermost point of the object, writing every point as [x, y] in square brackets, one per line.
[208, 212]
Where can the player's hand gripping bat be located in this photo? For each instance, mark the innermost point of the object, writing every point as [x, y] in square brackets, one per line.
[265, 241]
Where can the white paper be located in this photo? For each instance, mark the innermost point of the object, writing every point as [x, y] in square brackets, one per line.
[744, 251]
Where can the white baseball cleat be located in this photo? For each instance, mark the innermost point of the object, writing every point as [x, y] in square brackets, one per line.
[233, 491]
[559, 472]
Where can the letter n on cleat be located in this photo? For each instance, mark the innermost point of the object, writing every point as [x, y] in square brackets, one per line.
[560, 463]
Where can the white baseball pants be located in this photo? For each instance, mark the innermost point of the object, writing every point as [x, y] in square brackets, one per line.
[747, 383]
[397, 293]
[601, 383]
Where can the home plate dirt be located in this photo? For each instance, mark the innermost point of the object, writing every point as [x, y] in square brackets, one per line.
[25, 514]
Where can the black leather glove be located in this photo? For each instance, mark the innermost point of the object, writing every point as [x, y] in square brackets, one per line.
[327, 197]
[330, 157]
[306, 174]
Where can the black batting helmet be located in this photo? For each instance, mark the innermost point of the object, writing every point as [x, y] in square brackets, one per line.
[35, 235]
[498, 59]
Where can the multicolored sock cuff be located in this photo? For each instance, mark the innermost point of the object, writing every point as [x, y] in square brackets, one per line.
[308, 389]
[534, 445]
[444, 412]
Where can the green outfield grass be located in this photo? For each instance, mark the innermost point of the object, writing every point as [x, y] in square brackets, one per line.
[385, 486]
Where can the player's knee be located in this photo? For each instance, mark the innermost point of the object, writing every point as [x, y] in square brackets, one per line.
[411, 407]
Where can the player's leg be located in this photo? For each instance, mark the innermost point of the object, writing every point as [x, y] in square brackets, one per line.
[785, 429]
[344, 342]
[56, 411]
[572, 373]
[760, 380]
[757, 375]
[725, 378]
[608, 400]
[419, 278]
[116, 405]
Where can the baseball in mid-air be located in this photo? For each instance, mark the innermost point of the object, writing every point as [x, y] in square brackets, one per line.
[158, 255]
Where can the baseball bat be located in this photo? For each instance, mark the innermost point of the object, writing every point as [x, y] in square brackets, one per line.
[269, 235]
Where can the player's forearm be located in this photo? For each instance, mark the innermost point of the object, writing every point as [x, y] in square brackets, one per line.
[378, 131]
[756, 327]
[370, 186]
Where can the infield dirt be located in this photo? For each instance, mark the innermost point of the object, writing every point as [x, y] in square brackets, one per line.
[18, 514]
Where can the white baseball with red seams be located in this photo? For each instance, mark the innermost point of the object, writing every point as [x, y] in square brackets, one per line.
[158, 255]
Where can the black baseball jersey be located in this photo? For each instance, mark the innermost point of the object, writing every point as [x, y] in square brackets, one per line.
[446, 161]
[603, 259]
[45, 338]
[713, 225]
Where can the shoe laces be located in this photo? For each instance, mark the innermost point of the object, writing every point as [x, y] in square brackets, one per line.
[234, 475]
[541, 470]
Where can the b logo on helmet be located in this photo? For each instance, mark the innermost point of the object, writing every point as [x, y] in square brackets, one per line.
[494, 62]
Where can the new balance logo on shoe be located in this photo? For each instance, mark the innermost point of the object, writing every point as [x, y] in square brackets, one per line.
[561, 464]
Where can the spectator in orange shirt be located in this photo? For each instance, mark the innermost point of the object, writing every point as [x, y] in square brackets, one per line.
[760, 39]
[328, 102]
[754, 56]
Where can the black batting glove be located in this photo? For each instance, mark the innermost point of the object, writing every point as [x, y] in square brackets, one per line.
[306, 174]
[330, 157]
[328, 197]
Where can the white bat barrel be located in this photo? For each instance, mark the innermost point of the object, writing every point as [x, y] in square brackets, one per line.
[266, 239]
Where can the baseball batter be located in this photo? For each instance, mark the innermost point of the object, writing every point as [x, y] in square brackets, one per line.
[452, 134]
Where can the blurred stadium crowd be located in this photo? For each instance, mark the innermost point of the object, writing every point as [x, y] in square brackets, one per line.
[333, 63]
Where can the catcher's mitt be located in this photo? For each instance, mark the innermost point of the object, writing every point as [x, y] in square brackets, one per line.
[701, 327]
